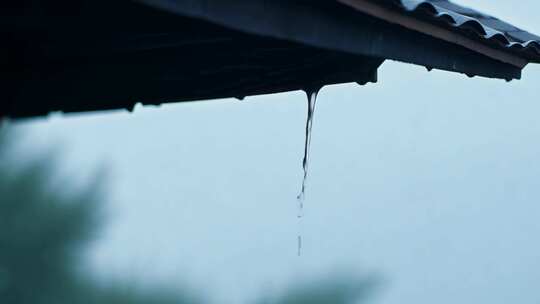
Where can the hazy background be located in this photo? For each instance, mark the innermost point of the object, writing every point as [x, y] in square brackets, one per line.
[430, 180]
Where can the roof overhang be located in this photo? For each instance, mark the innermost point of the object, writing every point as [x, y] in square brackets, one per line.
[75, 56]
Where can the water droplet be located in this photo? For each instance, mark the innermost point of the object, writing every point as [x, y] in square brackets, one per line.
[131, 108]
[134, 107]
[299, 243]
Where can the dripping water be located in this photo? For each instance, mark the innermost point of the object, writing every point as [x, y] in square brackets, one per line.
[299, 245]
[311, 102]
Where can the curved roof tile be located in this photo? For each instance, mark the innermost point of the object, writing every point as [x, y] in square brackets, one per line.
[469, 21]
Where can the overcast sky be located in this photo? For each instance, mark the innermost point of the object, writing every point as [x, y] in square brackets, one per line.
[430, 179]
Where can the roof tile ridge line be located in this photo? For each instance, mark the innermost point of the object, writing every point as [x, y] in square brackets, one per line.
[439, 32]
[486, 30]
[442, 10]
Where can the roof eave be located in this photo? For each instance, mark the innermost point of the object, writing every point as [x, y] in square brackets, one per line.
[382, 12]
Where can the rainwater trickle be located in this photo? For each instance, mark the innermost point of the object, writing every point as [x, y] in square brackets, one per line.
[312, 101]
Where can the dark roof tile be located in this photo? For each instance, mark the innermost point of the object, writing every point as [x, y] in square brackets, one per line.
[486, 27]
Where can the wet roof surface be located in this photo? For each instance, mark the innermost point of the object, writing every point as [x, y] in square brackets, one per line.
[188, 50]
[470, 21]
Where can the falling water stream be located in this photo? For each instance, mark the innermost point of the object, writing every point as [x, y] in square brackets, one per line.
[312, 101]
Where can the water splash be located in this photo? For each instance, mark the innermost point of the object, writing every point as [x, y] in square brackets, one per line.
[312, 101]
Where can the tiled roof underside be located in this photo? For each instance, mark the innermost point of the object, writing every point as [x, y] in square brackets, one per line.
[469, 21]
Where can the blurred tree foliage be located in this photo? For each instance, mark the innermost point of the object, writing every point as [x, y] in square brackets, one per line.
[338, 289]
[44, 228]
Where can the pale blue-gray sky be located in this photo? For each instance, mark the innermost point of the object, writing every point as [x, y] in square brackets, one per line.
[431, 179]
